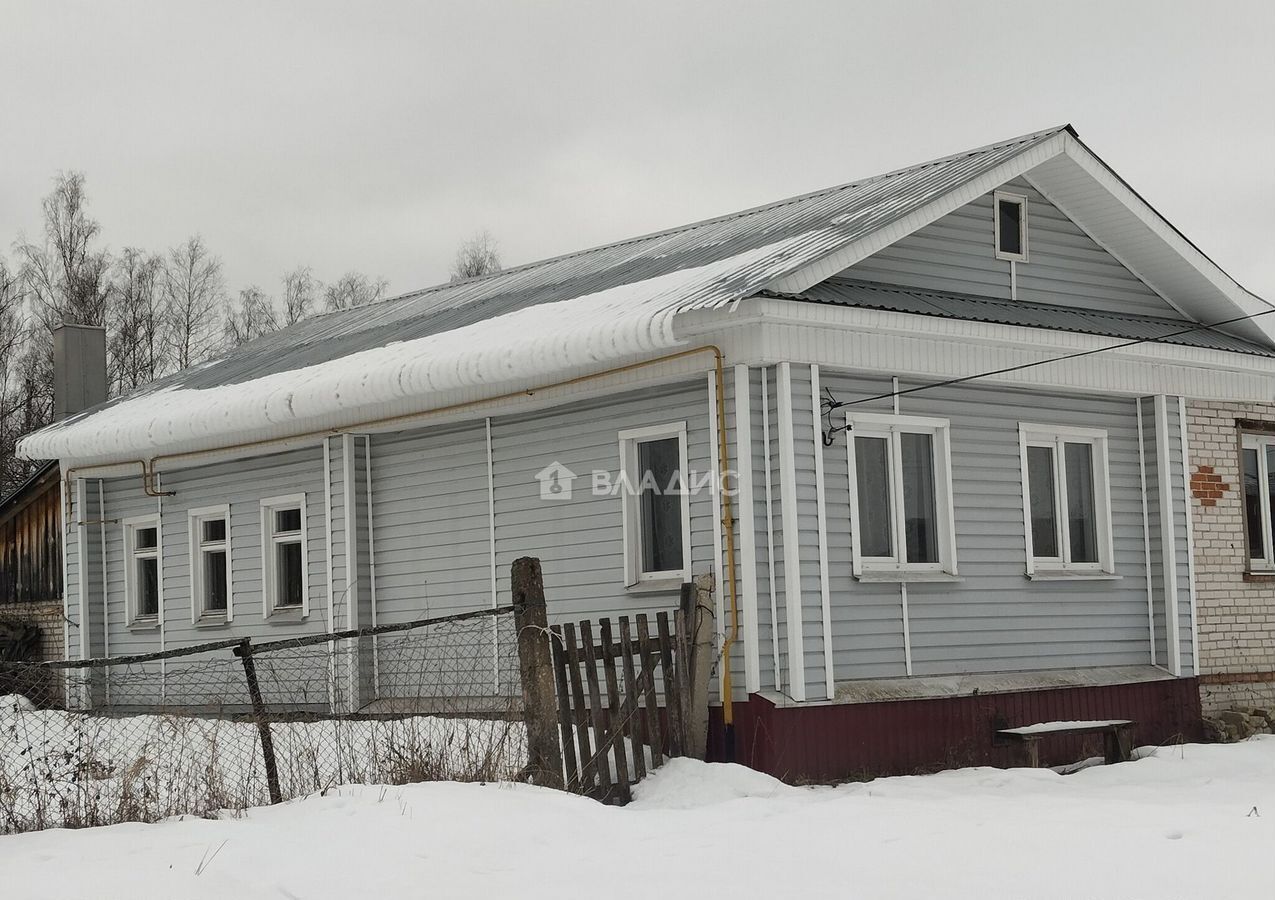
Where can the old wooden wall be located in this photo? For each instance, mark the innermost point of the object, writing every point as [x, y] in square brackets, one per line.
[30, 547]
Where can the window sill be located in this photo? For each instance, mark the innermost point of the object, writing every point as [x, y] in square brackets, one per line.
[657, 585]
[147, 624]
[212, 621]
[1055, 575]
[1259, 577]
[902, 576]
[286, 615]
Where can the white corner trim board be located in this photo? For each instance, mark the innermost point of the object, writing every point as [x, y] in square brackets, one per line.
[744, 518]
[789, 536]
[1190, 534]
[821, 505]
[1168, 539]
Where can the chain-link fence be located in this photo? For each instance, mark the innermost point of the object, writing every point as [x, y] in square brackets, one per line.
[233, 724]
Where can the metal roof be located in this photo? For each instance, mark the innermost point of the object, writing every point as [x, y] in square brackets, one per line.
[1129, 326]
[829, 218]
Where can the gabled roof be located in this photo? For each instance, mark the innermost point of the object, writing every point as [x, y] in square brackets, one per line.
[1050, 316]
[580, 312]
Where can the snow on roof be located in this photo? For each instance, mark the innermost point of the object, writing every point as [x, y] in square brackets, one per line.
[593, 330]
[584, 309]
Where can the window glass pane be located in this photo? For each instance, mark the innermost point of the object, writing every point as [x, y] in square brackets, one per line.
[1082, 526]
[214, 530]
[1253, 505]
[287, 520]
[1040, 494]
[215, 580]
[145, 538]
[1270, 484]
[920, 519]
[660, 504]
[1011, 214]
[148, 586]
[872, 475]
[288, 574]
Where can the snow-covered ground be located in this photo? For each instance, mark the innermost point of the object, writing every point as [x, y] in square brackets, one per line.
[1193, 821]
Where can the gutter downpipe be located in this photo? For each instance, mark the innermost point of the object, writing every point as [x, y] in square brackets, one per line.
[149, 477]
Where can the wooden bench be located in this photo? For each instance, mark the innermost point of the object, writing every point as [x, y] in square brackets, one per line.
[1117, 737]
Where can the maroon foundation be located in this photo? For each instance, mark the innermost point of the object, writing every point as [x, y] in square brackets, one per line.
[840, 741]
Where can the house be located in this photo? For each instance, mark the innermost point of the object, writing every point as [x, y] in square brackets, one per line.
[1232, 454]
[950, 405]
[31, 568]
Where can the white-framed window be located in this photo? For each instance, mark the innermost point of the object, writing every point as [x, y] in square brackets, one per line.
[1010, 212]
[900, 494]
[142, 587]
[1257, 468]
[210, 564]
[1066, 499]
[283, 554]
[656, 506]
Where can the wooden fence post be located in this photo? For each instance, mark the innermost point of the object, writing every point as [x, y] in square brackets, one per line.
[244, 652]
[535, 664]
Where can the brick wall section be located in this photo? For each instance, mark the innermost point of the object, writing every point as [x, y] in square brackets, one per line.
[1236, 615]
[46, 615]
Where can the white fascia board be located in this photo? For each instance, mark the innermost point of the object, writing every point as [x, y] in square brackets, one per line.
[1244, 301]
[931, 347]
[847, 256]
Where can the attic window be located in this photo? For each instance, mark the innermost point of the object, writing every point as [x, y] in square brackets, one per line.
[1011, 226]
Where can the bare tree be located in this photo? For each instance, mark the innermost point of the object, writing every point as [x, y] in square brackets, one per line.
[253, 317]
[480, 255]
[137, 327]
[12, 334]
[353, 289]
[66, 278]
[300, 295]
[193, 295]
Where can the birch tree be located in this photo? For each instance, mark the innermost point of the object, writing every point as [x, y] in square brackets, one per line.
[193, 296]
[353, 289]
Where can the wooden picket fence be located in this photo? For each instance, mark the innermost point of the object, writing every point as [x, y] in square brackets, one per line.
[604, 701]
[609, 709]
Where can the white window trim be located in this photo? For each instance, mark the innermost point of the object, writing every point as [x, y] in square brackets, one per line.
[1024, 230]
[268, 582]
[888, 426]
[1259, 442]
[1037, 435]
[634, 577]
[195, 519]
[130, 527]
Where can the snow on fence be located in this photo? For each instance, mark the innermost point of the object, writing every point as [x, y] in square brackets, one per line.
[232, 724]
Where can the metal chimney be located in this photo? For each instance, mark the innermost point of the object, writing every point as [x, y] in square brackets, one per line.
[79, 368]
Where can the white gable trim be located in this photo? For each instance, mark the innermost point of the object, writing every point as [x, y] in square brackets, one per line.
[1064, 146]
[822, 269]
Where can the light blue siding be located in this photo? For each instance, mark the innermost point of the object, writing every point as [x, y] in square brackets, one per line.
[1065, 266]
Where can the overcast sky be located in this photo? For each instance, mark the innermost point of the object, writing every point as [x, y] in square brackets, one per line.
[378, 135]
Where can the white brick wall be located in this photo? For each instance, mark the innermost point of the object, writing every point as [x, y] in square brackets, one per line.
[1236, 614]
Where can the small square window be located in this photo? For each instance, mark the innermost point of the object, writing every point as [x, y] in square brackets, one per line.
[1010, 212]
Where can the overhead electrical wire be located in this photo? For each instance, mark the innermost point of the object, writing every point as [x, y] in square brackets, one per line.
[831, 404]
